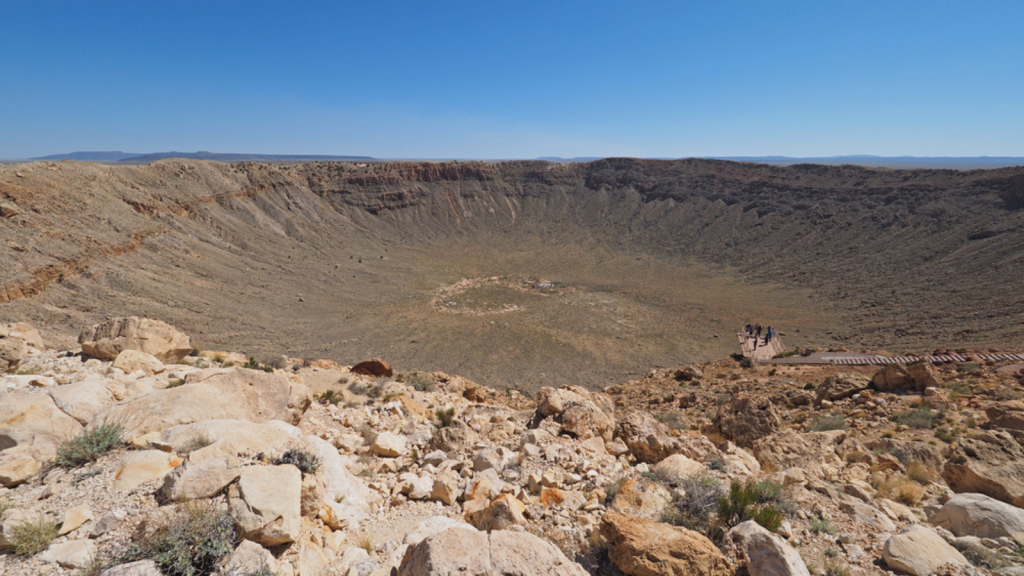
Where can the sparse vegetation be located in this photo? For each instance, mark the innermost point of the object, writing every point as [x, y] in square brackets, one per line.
[826, 423]
[833, 568]
[254, 364]
[944, 434]
[822, 526]
[751, 500]
[330, 397]
[920, 473]
[176, 382]
[189, 544]
[304, 461]
[89, 445]
[32, 536]
[921, 417]
[695, 508]
[445, 417]
[614, 488]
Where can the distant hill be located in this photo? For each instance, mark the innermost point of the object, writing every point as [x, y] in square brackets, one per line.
[143, 158]
[898, 162]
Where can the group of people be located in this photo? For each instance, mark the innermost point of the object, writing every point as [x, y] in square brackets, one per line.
[755, 333]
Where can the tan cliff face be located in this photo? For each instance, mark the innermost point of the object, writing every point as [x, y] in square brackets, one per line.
[518, 274]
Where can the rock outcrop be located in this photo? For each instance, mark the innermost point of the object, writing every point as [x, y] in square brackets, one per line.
[746, 420]
[110, 338]
[979, 515]
[919, 551]
[646, 438]
[989, 462]
[641, 547]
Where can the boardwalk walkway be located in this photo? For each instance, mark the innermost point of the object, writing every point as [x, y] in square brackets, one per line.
[763, 353]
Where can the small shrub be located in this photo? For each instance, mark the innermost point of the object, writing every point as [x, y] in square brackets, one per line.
[614, 487]
[445, 417]
[196, 443]
[921, 418]
[366, 544]
[945, 435]
[810, 386]
[5, 505]
[833, 568]
[176, 382]
[901, 489]
[717, 465]
[304, 461]
[826, 423]
[329, 397]
[190, 544]
[769, 517]
[968, 368]
[368, 434]
[254, 364]
[751, 501]
[32, 536]
[920, 473]
[696, 507]
[831, 553]
[822, 525]
[89, 445]
[674, 420]
[979, 555]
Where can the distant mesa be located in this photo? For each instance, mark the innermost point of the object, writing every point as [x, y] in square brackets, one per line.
[143, 158]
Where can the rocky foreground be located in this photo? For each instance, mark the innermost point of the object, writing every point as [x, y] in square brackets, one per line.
[138, 456]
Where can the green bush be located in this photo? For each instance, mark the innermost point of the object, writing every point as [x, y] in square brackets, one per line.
[329, 397]
[833, 568]
[826, 423]
[921, 418]
[820, 525]
[751, 501]
[32, 536]
[254, 364]
[89, 445]
[945, 435]
[304, 461]
[614, 487]
[445, 417]
[190, 544]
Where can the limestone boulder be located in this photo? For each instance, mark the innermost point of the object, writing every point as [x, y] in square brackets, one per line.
[893, 378]
[74, 517]
[808, 451]
[218, 394]
[923, 375]
[762, 552]
[456, 438]
[745, 420]
[131, 361]
[83, 400]
[201, 475]
[433, 525]
[919, 551]
[840, 386]
[248, 558]
[1007, 415]
[70, 554]
[266, 504]
[641, 498]
[33, 422]
[502, 552]
[17, 467]
[502, 512]
[347, 498]
[108, 339]
[578, 411]
[389, 445]
[642, 547]
[138, 467]
[677, 467]
[228, 436]
[979, 515]
[13, 350]
[988, 462]
[647, 439]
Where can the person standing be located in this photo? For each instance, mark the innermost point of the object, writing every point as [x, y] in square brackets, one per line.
[757, 331]
[768, 336]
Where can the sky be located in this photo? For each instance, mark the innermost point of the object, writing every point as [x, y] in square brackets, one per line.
[513, 79]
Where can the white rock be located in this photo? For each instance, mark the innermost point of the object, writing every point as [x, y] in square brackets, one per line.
[389, 445]
[919, 551]
[70, 554]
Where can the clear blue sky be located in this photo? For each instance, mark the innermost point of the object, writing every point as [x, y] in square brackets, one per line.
[496, 79]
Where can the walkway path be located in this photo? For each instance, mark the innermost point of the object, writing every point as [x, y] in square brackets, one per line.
[763, 353]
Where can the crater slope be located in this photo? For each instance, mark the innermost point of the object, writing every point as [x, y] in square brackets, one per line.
[518, 273]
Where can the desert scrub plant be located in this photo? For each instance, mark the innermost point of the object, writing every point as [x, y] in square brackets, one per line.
[176, 382]
[5, 505]
[254, 364]
[329, 397]
[920, 473]
[445, 417]
[822, 526]
[32, 536]
[751, 501]
[89, 445]
[901, 489]
[944, 434]
[694, 506]
[189, 544]
[614, 487]
[834, 568]
[674, 420]
[826, 423]
[922, 417]
[304, 461]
